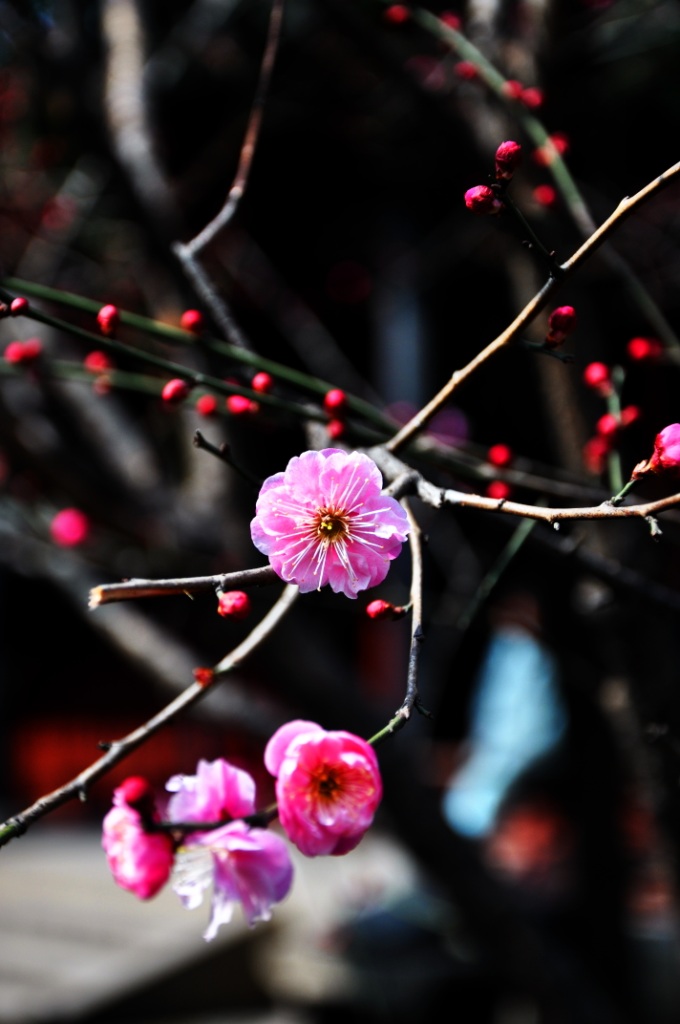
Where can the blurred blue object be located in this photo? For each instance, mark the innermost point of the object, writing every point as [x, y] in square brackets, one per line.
[517, 715]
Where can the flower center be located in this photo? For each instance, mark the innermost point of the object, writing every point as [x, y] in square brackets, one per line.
[331, 524]
[327, 783]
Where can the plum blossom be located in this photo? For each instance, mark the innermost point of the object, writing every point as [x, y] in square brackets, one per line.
[328, 786]
[666, 454]
[140, 861]
[324, 521]
[245, 865]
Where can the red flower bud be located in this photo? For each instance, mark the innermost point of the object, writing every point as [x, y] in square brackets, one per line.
[561, 322]
[532, 98]
[597, 376]
[380, 609]
[175, 391]
[666, 454]
[508, 158]
[595, 453]
[545, 195]
[262, 382]
[233, 604]
[23, 351]
[555, 145]
[336, 428]
[512, 89]
[240, 405]
[482, 199]
[137, 792]
[451, 20]
[192, 320]
[69, 528]
[499, 455]
[465, 70]
[206, 405]
[630, 414]
[335, 401]
[108, 319]
[644, 349]
[608, 425]
[97, 362]
[18, 306]
[397, 14]
[498, 489]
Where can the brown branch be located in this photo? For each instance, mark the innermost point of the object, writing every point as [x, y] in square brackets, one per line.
[133, 589]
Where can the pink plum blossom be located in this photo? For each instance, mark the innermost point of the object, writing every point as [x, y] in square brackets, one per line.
[328, 786]
[245, 865]
[140, 861]
[325, 521]
[666, 454]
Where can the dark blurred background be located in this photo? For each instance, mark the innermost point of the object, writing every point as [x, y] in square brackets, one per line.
[352, 257]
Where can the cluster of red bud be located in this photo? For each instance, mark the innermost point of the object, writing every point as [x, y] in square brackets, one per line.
[597, 376]
[500, 456]
[335, 405]
[487, 199]
[16, 307]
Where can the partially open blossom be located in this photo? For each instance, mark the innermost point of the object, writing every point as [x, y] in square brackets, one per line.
[335, 401]
[666, 455]
[507, 159]
[23, 351]
[245, 865]
[233, 604]
[324, 521]
[192, 320]
[561, 323]
[500, 455]
[482, 199]
[644, 349]
[70, 527]
[175, 391]
[328, 786]
[140, 861]
[598, 377]
[108, 319]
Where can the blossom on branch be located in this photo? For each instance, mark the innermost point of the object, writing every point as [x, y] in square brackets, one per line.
[245, 865]
[666, 454]
[328, 786]
[140, 861]
[325, 521]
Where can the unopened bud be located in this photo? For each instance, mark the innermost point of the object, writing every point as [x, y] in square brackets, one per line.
[108, 319]
[483, 200]
[508, 158]
[175, 391]
[233, 604]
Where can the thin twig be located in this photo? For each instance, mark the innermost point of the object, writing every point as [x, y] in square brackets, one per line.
[532, 308]
[136, 588]
[120, 749]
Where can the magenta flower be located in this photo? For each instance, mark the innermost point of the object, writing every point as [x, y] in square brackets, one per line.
[140, 861]
[328, 786]
[325, 521]
[245, 865]
[666, 454]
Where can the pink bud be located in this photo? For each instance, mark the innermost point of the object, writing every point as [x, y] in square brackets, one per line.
[482, 199]
[380, 609]
[175, 391]
[608, 425]
[451, 20]
[512, 89]
[508, 158]
[396, 14]
[23, 351]
[498, 489]
[561, 322]
[630, 414]
[108, 319]
[18, 306]
[69, 527]
[499, 455]
[206, 405]
[532, 98]
[97, 362]
[595, 453]
[137, 792]
[233, 604]
[545, 195]
[335, 401]
[262, 382]
[597, 376]
[666, 455]
[644, 349]
[465, 70]
[336, 429]
[240, 405]
[192, 320]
